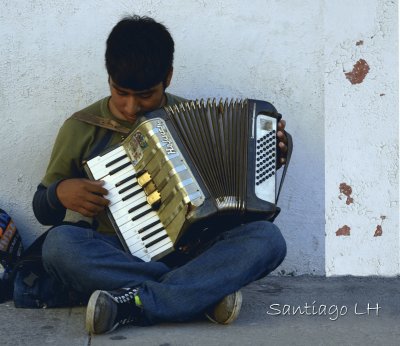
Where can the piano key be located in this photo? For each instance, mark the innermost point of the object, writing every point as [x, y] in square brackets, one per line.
[126, 188]
[126, 180]
[106, 157]
[120, 210]
[123, 217]
[136, 207]
[152, 233]
[116, 196]
[124, 177]
[132, 193]
[137, 241]
[138, 216]
[166, 247]
[155, 249]
[133, 231]
[142, 254]
[156, 239]
[148, 226]
[143, 222]
[152, 250]
[123, 164]
[114, 161]
[102, 171]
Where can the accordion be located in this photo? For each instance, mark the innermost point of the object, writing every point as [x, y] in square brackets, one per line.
[188, 172]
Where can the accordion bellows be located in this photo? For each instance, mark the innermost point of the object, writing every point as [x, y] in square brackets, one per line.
[190, 170]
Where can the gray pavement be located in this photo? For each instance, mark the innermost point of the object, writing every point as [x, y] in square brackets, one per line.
[300, 310]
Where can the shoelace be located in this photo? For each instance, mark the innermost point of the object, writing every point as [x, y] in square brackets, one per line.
[128, 312]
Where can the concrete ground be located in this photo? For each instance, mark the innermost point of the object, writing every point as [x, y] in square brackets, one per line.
[302, 310]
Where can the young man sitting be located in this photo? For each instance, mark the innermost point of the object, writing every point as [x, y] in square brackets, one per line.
[89, 258]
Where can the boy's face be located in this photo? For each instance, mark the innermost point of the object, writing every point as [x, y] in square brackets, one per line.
[128, 104]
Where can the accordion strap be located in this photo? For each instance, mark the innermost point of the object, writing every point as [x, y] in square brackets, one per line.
[109, 124]
[288, 156]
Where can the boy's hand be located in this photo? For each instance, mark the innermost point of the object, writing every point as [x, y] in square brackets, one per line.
[282, 143]
[83, 196]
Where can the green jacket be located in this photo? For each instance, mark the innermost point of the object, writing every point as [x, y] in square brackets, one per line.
[74, 144]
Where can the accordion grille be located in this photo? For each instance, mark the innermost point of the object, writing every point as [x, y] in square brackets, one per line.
[215, 136]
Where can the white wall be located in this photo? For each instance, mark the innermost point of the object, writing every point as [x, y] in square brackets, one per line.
[284, 52]
[362, 138]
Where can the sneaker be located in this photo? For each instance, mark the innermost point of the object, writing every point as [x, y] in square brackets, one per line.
[227, 310]
[108, 310]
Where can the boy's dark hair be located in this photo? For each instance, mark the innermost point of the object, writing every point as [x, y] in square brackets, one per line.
[139, 53]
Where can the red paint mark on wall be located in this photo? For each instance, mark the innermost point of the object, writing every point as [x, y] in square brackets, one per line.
[378, 231]
[345, 230]
[346, 190]
[360, 70]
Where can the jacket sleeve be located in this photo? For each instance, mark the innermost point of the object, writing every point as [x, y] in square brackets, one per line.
[46, 205]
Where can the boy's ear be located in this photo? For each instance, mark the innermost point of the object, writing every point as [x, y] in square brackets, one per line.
[169, 77]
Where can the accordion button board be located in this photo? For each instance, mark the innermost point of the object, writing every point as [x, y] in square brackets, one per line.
[265, 158]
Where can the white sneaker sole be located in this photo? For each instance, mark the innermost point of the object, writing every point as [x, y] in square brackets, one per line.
[90, 312]
[237, 305]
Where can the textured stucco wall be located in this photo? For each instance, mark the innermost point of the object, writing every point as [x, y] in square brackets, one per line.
[52, 64]
[361, 138]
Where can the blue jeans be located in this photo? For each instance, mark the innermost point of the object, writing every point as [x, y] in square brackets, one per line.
[86, 260]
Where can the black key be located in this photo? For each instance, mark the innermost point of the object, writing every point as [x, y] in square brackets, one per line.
[136, 207]
[127, 188]
[152, 233]
[134, 193]
[145, 228]
[123, 181]
[116, 160]
[137, 217]
[120, 168]
[156, 241]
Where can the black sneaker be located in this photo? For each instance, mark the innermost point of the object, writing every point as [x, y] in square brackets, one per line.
[108, 310]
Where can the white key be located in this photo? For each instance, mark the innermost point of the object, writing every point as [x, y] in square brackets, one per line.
[155, 236]
[103, 159]
[132, 238]
[142, 253]
[112, 180]
[115, 196]
[135, 226]
[141, 223]
[144, 243]
[120, 211]
[153, 250]
[162, 249]
[101, 171]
